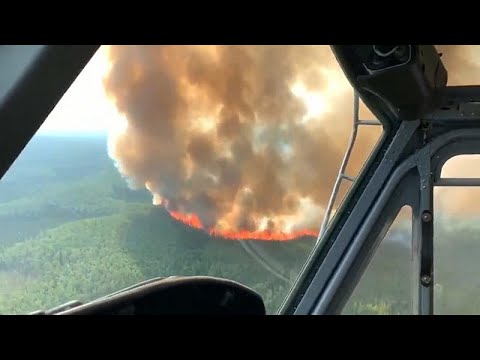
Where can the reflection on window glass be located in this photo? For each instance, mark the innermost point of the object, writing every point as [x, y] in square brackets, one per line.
[457, 250]
[177, 160]
[386, 286]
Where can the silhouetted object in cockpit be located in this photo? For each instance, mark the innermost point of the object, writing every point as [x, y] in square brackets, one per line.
[176, 295]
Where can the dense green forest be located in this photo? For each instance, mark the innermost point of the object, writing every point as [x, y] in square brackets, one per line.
[70, 228]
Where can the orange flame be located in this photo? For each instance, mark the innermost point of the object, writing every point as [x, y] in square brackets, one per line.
[262, 235]
[192, 220]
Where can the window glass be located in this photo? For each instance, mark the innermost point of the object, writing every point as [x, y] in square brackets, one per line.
[462, 166]
[457, 250]
[386, 285]
[177, 160]
[462, 63]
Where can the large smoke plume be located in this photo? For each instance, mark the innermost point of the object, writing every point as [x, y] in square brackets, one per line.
[462, 63]
[246, 137]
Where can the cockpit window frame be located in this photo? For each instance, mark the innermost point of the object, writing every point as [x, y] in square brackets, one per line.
[419, 164]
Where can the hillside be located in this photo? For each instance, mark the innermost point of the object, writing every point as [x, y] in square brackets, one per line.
[70, 228]
[91, 257]
[80, 234]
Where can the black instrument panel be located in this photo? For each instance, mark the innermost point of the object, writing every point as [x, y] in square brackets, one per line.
[189, 295]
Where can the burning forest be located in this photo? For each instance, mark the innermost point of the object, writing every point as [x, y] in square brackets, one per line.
[242, 141]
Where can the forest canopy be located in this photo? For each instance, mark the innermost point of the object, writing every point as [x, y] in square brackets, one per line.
[71, 228]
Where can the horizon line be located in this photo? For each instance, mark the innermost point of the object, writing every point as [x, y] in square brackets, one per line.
[70, 133]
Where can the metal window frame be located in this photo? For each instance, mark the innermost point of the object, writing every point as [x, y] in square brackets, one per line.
[33, 79]
[407, 174]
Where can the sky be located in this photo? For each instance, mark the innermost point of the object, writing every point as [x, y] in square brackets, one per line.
[85, 108]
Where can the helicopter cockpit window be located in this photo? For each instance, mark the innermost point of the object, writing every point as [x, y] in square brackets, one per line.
[179, 160]
[386, 286]
[461, 63]
[462, 166]
[456, 236]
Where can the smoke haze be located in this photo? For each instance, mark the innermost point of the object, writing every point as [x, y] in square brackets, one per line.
[246, 137]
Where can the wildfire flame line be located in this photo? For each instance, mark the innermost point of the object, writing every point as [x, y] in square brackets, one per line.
[193, 221]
